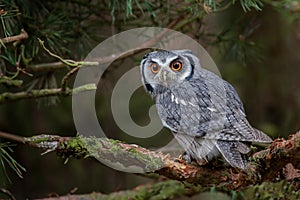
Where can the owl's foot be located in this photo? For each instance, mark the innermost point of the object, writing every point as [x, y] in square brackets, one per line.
[185, 157]
[201, 162]
[190, 160]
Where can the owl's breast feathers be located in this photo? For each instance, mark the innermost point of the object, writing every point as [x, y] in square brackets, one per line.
[203, 111]
[208, 107]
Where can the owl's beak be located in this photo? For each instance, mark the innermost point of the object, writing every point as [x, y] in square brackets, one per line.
[164, 76]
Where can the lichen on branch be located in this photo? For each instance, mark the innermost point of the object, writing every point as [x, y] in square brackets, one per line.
[266, 165]
[34, 94]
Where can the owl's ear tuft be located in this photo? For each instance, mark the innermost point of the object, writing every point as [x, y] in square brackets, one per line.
[146, 56]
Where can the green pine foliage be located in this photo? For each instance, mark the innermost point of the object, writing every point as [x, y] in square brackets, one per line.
[71, 28]
[7, 160]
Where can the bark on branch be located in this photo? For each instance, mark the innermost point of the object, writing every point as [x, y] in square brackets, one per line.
[34, 94]
[265, 165]
[22, 36]
[170, 189]
[159, 190]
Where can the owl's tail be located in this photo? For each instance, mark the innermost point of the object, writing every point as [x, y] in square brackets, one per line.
[231, 154]
[259, 136]
[234, 151]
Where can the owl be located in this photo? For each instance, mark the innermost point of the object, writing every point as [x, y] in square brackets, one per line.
[203, 111]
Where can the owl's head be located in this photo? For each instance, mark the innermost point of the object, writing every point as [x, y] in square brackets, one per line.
[167, 68]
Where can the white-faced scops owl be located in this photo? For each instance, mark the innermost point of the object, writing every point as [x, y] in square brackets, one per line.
[203, 111]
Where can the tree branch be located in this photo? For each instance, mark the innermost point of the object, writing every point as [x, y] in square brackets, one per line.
[10, 82]
[9, 96]
[63, 62]
[265, 165]
[45, 67]
[170, 189]
[22, 36]
[65, 79]
[159, 190]
[12, 137]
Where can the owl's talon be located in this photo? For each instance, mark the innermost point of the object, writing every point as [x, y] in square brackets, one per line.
[201, 162]
[186, 158]
[189, 160]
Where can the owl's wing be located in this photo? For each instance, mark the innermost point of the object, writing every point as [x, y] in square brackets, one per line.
[237, 126]
[219, 113]
[188, 108]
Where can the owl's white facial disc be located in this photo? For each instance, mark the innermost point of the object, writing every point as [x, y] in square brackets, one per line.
[164, 61]
[166, 68]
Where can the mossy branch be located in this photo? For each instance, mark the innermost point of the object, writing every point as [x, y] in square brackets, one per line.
[265, 165]
[160, 190]
[34, 94]
[191, 179]
[170, 189]
[10, 82]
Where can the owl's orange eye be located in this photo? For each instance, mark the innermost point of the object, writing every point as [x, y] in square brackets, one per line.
[155, 68]
[176, 65]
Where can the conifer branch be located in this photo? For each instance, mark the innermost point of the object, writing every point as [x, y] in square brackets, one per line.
[266, 165]
[22, 36]
[35, 94]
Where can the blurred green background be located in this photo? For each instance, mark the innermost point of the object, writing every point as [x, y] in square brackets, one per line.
[258, 52]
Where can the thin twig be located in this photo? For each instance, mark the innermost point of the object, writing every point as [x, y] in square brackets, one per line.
[8, 193]
[65, 79]
[12, 137]
[70, 63]
[22, 36]
[63, 63]
[141, 48]
[67, 62]
[122, 55]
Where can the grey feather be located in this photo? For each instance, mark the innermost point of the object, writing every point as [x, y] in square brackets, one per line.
[231, 154]
[203, 111]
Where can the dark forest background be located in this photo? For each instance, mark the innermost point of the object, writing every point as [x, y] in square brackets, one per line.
[255, 44]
